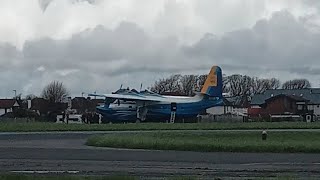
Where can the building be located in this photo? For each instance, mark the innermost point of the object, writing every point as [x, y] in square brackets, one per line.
[233, 109]
[285, 103]
[82, 105]
[237, 105]
[47, 109]
[8, 105]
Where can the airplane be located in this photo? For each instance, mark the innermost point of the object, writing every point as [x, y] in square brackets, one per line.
[127, 105]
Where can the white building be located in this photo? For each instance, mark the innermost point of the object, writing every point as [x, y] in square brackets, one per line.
[231, 105]
[7, 105]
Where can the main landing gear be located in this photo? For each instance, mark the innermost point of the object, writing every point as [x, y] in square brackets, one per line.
[141, 114]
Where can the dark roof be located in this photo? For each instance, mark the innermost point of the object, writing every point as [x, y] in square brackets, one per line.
[297, 98]
[97, 101]
[6, 103]
[293, 97]
[45, 106]
[311, 94]
[236, 101]
[79, 103]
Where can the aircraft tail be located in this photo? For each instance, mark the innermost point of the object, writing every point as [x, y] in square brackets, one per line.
[213, 84]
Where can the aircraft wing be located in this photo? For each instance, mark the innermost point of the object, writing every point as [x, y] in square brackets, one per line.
[129, 97]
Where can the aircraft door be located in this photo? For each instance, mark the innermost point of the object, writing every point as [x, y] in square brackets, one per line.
[173, 112]
[173, 107]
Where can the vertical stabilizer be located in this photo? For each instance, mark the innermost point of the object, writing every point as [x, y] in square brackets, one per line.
[213, 84]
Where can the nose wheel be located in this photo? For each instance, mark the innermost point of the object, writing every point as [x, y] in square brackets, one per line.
[141, 114]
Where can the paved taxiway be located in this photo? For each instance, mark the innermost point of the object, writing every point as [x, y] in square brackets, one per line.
[66, 151]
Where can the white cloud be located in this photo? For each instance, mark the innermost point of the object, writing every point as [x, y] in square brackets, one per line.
[96, 45]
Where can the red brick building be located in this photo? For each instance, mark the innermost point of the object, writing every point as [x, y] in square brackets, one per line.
[287, 103]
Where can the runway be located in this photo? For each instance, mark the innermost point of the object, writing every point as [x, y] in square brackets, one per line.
[66, 152]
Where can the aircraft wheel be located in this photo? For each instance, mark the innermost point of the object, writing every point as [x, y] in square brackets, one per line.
[138, 121]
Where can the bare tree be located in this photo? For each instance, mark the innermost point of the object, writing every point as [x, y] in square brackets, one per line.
[18, 96]
[261, 85]
[188, 84]
[30, 96]
[242, 85]
[274, 83]
[170, 84]
[159, 86]
[235, 85]
[296, 84]
[239, 85]
[173, 83]
[225, 84]
[55, 92]
[200, 82]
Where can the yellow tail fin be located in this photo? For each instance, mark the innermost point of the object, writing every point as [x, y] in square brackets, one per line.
[213, 83]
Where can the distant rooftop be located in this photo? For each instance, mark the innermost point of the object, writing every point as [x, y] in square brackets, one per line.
[311, 94]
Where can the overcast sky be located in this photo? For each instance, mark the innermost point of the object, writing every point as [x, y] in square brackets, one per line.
[97, 45]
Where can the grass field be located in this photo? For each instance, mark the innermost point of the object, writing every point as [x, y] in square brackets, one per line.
[78, 177]
[61, 177]
[37, 126]
[75, 177]
[307, 142]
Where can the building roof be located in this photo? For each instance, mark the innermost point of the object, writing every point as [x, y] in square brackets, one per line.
[311, 94]
[44, 106]
[236, 101]
[293, 97]
[7, 103]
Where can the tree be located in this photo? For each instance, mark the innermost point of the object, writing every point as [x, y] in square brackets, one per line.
[30, 96]
[274, 83]
[188, 84]
[200, 82]
[239, 85]
[173, 83]
[261, 85]
[18, 96]
[55, 92]
[225, 84]
[159, 86]
[170, 84]
[296, 84]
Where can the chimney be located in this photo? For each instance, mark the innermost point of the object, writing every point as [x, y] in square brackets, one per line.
[29, 104]
[69, 103]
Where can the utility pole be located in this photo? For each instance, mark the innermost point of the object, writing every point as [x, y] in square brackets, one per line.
[15, 93]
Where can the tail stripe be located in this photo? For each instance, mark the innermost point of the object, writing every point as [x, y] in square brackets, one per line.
[213, 83]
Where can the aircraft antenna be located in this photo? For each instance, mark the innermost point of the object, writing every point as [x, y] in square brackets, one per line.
[120, 86]
[141, 87]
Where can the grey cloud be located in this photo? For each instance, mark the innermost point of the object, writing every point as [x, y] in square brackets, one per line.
[9, 55]
[45, 3]
[105, 58]
[97, 56]
[232, 14]
[100, 44]
[281, 41]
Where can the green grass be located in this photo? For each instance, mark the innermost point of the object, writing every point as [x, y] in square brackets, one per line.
[80, 177]
[306, 142]
[37, 126]
[62, 177]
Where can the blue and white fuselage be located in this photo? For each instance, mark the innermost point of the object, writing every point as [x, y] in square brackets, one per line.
[186, 107]
[130, 105]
